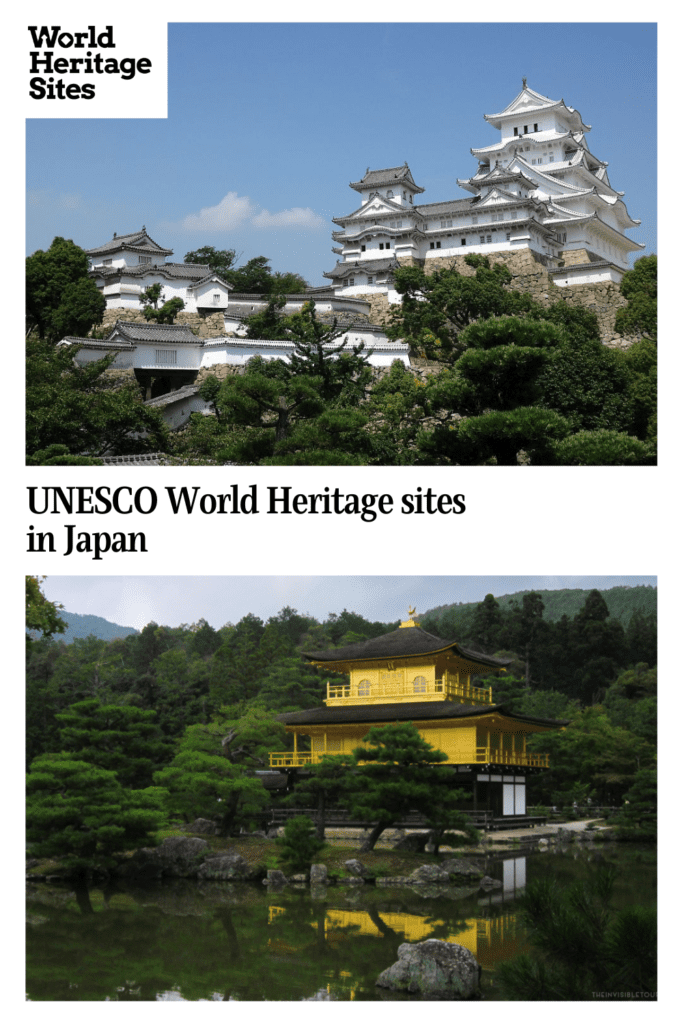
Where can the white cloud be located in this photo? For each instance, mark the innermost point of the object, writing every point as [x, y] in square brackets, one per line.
[298, 217]
[232, 211]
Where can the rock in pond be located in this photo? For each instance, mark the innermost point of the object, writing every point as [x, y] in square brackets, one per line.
[456, 866]
[433, 970]
[427, 874]
[176, 857]
[355, 867]
[318, 874]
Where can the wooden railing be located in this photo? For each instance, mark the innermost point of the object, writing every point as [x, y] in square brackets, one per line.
[494, 755]
[448, 686]
[484, 755]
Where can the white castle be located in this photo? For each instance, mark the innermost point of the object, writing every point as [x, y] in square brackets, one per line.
[539, 187]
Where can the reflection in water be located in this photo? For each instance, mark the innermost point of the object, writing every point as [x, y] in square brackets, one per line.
[187, 940]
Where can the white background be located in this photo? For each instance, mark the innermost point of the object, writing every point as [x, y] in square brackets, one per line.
[518, 521]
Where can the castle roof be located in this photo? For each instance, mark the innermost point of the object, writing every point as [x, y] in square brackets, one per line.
[386, 176]
[367, 266]
[404, 642]
[179, 334]
[195, 272]
[138, 240]
[528, 102]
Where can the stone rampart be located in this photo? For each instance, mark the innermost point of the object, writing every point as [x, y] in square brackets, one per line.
[210, 326]
[530, 275]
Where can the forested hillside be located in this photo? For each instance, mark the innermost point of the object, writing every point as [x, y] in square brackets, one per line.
[621, 603]
[588, 668]
[92, 625]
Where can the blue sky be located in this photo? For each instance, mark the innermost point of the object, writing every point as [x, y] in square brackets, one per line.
[172, 600]
[268, 123]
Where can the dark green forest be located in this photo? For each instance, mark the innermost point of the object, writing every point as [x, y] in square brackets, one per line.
[187, 701]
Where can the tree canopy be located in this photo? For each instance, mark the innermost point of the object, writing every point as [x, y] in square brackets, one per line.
[255, 277]
[76, 412]
[61, 299]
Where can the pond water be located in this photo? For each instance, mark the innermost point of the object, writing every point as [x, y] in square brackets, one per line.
[188, 940]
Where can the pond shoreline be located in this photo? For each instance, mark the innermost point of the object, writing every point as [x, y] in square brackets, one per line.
[255, 855]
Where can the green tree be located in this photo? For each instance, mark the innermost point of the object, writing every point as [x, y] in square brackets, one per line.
[639, 286]
[253, 278]
[602, 448]
[272, 397]
[83, 815]
[436, 307]
[152, 296]
[119, 738]
[61, 299]
[299, 845]
[400, 772]
[287, 283]
[167, 313]
[203, 785]
[591, 753]
[487, 622]
[41, 615]
[525, 630]
[76, 411]
[220, 261]
[589, 385]
[244, 734]
[637, 819]
[583, 947]
[323, 785]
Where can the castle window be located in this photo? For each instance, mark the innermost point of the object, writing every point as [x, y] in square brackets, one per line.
[216, 298]
[488, 238]
[551, 159]
[369, 279]
[447, 223]
[165, 357]
[438, 245]
[106, 263]
[481, 239]
[364, 688]
[516, 131]
[144, 259]
[362, 248]
[419, 684]
[390, 194]
[352, 280]
[475, 220]
[463, 241]
[526, 128]
[535, 127]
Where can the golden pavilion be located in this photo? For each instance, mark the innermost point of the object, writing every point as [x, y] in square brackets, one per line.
[410, 675]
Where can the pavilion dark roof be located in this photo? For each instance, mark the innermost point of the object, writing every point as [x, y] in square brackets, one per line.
[405, 642]
[409, 712]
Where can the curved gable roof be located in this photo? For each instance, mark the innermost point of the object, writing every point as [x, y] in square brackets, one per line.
[404, 642]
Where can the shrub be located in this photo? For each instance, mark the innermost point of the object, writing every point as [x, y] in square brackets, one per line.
[299, 845]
